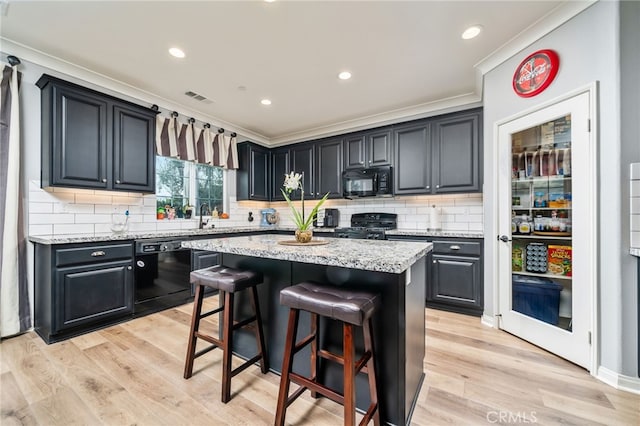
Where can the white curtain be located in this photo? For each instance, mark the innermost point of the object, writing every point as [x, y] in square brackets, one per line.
[15, 316]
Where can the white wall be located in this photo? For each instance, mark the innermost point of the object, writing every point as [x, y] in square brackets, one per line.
[588, 47]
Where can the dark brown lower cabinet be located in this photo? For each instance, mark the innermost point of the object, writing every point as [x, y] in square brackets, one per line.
[81, 287]
[455, 272]
[456, 277]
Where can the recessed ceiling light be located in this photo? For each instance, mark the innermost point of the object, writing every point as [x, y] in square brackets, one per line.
[471, 32]
[176, 52]
[265, 102]
[269, 1]
[344, 75]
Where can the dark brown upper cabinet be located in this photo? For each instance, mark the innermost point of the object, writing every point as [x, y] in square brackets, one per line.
[457, 165]
[95, 141]
[329, 168]
[280, 160]
[439, 155]
[368, 149]
[253, 178]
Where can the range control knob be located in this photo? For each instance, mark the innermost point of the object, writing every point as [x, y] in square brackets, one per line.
[164, 247]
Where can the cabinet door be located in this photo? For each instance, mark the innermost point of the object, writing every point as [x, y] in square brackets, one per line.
[133, 150]
[379, 148]
[259, 174]
[79, 138]
[302, 161]
[456, 154]
[279, 167]
[91, 293]
[354, 151]
[456, 284]
[329, 169]
[412, 159]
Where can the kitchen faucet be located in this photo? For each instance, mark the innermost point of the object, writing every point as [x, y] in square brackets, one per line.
[200, 222]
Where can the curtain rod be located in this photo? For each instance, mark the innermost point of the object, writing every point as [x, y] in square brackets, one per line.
[176, 114]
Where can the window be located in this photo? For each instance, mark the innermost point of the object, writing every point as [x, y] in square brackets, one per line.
[179, 183]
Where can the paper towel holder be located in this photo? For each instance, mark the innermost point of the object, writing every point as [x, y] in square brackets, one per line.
[434, 219]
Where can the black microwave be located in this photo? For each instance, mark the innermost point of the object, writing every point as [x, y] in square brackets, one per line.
[367, 182]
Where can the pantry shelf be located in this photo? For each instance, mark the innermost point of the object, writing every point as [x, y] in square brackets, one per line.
[541, 237]
[535, 274]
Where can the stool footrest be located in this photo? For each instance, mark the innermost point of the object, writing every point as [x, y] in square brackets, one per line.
[211, 312]
[296, 394]
[304, 342]
[208, 338]
[245, 365]
[243, 323]
[204, 351]
[361, 364]
[316, 387]
[369, 414]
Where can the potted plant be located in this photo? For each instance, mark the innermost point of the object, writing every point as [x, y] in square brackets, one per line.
[160, 213]
[293, 182]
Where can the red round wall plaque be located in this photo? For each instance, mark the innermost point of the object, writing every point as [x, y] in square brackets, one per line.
[535, 73]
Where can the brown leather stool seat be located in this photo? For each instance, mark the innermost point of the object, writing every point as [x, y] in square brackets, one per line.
[228, 281]
[352, 308]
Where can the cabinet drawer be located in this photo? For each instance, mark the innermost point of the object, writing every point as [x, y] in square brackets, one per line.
[80, 255]
[457, 247]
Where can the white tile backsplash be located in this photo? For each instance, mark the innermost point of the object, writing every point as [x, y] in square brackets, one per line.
[62, 211]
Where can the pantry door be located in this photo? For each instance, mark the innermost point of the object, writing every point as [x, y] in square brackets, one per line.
[547, 249]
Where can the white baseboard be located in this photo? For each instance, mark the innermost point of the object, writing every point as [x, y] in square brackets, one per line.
[619, 381]
[489, 321]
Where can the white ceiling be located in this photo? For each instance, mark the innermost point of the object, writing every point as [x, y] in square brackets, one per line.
[407, 58]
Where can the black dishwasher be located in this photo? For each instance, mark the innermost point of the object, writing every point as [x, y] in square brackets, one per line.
[162, 269]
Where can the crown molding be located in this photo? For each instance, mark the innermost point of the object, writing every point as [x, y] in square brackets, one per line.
[26, 53]
[429, 109]
[543, 26]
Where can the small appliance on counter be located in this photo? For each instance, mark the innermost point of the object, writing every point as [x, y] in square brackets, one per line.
[269, 217]
[327, 218]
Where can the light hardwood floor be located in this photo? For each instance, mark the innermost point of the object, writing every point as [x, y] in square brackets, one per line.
[131, 373]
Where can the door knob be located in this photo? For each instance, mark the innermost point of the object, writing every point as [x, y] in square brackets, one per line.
[118, 181]
[104, 180]
[504, 238]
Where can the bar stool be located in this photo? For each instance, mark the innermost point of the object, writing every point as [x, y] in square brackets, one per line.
[228, 281]
[352, 308]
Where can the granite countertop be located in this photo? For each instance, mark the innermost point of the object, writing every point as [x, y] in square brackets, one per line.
[435, 233]
[70, 239]
[371, 255]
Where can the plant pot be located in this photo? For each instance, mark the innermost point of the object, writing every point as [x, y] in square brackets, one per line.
[187, 214]
[304, 236]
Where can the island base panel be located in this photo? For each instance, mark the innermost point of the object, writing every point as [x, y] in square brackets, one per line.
[398, 328]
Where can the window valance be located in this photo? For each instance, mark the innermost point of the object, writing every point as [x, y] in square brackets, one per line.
[189, 142]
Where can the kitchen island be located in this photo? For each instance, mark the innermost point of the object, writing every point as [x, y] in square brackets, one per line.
[396, 270]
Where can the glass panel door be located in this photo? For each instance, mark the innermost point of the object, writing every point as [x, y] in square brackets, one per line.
[547, 227]
[541, 222]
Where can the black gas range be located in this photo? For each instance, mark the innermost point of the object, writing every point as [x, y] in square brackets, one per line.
[369, 226]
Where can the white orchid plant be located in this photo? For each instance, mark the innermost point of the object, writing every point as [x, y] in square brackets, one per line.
[293, 182]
